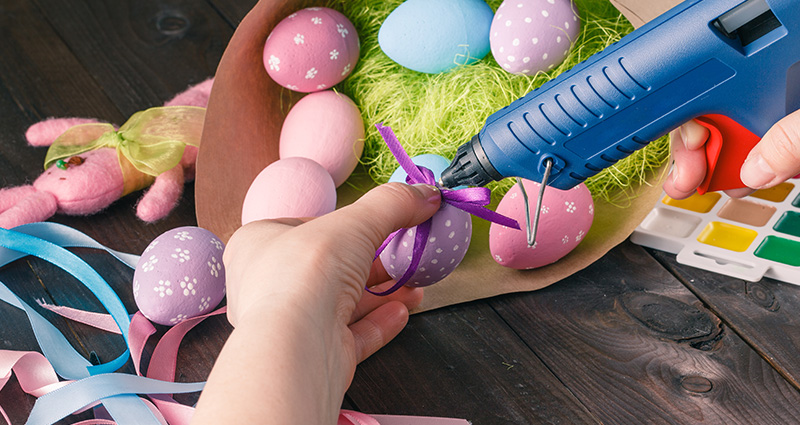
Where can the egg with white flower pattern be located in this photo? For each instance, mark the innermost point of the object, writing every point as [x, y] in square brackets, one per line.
[179, 276]
[312, 49]
[565, 219]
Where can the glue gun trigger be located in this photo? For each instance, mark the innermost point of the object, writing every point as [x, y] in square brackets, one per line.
[724, 165]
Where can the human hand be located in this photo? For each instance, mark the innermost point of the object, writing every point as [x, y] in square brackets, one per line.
[294, 295]
[775, 159]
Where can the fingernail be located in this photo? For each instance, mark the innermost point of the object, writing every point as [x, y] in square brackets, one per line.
[682, 133]
[431, 193]
[756, 173]
[675, 172]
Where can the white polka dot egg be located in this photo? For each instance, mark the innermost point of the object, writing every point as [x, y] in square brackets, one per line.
[447, 243]
[312, 49]
[565, 219]
[179, 276]
[528, 36]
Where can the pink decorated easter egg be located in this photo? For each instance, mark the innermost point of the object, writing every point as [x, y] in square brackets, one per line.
[325, 126]
[312, 49]
[446, 245]
[179, 276]
[528, 36]
[566, 217]
[289, 187]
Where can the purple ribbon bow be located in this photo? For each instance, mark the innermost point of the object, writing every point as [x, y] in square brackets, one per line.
[471, 200]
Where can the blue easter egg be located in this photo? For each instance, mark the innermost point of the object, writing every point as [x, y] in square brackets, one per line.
[435, 163]
[434, 36]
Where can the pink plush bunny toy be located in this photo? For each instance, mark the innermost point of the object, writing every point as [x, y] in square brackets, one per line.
[90, 180]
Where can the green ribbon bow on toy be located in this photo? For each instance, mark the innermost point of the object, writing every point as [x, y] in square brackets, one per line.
[149, 143]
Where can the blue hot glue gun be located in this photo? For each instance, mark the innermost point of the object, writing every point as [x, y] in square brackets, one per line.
[734, 62]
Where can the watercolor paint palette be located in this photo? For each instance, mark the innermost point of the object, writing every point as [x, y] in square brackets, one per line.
[746, 238]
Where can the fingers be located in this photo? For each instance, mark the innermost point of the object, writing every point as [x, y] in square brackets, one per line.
[377, 274]
[378, 328]
[689, 168]
[381, 211]
[739, 193]
[693, 135]
[776, 158]
[410, 297]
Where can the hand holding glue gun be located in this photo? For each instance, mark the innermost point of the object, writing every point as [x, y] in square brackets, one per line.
[732, 65]
[773, 160]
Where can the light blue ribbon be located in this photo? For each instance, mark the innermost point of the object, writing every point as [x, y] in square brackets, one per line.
[94, 383]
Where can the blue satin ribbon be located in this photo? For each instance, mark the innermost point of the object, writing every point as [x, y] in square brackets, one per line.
[93, 383]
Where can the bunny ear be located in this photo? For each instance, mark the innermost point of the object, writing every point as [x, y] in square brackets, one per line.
[43, 133]
[196, 95]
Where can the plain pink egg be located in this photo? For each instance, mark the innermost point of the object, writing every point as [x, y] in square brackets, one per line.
[326, 127]
[565, 220]
[312, 49]
[291, 187]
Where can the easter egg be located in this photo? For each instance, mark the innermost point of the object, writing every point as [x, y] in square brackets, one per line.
[312, 49]
[565, 219]
[528, 36]
[447, 243]
[434, 36]
[289, 187]
[433, 162]
[179, 276]
[325, 126]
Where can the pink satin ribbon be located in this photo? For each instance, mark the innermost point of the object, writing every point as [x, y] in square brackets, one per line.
[37, 377]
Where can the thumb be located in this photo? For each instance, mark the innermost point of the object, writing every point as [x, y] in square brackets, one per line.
[776, 158]
[383, 210]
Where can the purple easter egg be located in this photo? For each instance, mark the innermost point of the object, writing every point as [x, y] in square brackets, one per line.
[179, 276]
[451, 231]
[528, 36]
[312, 49]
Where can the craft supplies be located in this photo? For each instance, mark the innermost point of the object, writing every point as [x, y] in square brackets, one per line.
[93, 383]
[529, 36]
[565, 220]
[144, 398]
[434, 36]
[427, 253]
[312, 49]
[179, 275]
[746, 238]
[435, 114]
[290, 187]
[327, 127]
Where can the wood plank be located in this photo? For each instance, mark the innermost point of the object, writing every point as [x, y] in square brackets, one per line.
[763, 313]
[464, 362]
[141, 52]
[233, 11]
[631, 342]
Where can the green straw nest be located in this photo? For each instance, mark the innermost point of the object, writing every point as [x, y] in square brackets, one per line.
[438, 113]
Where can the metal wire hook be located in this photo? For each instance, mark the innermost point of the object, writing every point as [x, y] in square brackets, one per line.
[533, 230]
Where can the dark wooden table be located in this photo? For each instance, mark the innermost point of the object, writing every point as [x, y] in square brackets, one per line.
[635, 338]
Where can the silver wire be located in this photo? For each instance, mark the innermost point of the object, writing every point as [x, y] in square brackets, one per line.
[527, 211]
[533, 230]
